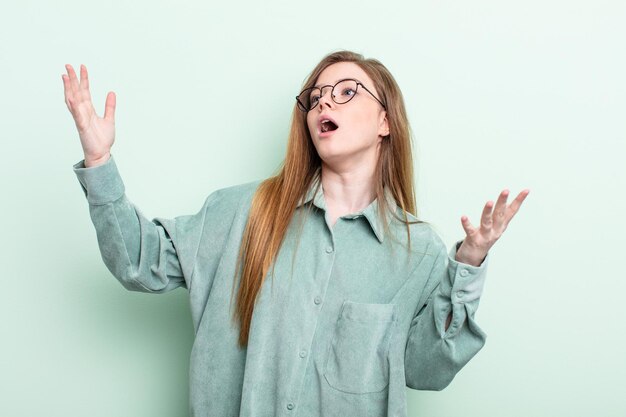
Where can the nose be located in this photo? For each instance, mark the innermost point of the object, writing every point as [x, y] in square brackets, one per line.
[325, 99]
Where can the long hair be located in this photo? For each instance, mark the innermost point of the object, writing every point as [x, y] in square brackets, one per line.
[277, 197]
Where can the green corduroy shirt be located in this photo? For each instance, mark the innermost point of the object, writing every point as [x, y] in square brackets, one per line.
[343, 333]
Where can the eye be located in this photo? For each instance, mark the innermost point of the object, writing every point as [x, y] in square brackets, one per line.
[348, 92]
[314, 97]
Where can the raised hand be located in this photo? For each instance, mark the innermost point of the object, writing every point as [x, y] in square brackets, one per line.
[97, 134]
[493, 223]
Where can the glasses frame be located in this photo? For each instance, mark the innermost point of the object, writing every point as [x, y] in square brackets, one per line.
[302, 107]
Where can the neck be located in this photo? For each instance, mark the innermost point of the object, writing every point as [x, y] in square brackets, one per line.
[350, 189]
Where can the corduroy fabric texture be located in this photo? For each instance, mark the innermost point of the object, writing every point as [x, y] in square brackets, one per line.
[342, 333]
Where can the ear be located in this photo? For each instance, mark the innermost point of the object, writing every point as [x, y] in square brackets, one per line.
[383, 125]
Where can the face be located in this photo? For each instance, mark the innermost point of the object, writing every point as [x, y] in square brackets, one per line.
[361, 123]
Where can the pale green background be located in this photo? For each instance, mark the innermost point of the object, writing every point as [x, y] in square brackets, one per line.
[500, 94]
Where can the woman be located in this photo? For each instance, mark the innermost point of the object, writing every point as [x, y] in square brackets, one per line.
[315, 292]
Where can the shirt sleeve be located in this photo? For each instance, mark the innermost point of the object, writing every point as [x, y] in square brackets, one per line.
[433, 354]
[144, 255]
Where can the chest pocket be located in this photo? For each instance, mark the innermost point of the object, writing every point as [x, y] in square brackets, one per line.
[357, 360]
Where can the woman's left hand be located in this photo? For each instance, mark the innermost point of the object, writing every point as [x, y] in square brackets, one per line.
[493, 223]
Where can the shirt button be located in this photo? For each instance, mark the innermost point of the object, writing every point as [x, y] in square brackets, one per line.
[460, 294]
[302, 353]
[329, 249]
[463, 272]
[317, 300]
[290, 406]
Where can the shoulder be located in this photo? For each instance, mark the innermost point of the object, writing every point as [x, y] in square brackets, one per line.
[424, 236]
[231, 200]
[235, 194]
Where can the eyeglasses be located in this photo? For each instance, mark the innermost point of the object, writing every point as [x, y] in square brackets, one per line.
[341, 93]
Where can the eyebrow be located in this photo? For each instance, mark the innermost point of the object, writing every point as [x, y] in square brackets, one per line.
[341, 79]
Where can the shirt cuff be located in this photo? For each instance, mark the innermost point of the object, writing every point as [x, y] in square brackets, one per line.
[467, 280]
[101, 184]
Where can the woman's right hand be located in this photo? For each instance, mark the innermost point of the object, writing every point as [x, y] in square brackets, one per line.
[97, 134]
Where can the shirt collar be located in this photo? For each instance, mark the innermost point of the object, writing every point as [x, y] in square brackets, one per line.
[370, 212]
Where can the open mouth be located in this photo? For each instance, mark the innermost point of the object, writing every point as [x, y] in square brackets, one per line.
[328, 126]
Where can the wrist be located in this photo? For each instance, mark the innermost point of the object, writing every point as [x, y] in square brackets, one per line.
[93, 162]
[468, 256]
[469, 261]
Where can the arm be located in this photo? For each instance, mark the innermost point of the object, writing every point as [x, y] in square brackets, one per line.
[144, 255]
[435, 352]
[457, 258]
[140, 253]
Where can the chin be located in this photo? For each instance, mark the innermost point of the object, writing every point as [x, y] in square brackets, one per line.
[335, 155]
[329, 148]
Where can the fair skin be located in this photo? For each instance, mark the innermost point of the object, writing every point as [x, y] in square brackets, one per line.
[349, 158]
[96, 134]
[348, 154]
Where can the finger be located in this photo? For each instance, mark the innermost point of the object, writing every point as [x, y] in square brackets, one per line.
[66, 89]
[499, 210]
[84, 78]
[71, 99]
[73, 80]
[467, 226]
[67, 86]
[84, 84]
[485, 219]
[109, 106]
[517, 203]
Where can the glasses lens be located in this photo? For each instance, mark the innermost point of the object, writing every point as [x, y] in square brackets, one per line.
[308, 98]
[313, 97]
[302, 103]
[344, 91]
